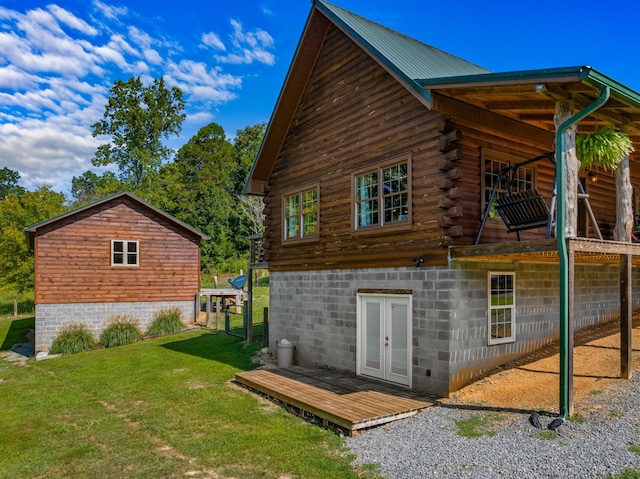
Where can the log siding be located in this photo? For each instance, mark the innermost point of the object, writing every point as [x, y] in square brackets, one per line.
[352, 116]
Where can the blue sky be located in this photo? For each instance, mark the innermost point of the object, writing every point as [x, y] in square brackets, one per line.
[58, 59]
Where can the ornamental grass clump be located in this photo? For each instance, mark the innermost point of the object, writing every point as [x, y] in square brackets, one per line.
[166, 321]
[121, 330]
[73, 338]
[604, 148]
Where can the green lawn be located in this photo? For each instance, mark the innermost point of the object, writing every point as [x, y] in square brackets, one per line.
[158, 408]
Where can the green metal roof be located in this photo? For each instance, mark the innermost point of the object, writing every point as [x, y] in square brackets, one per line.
[414, 59]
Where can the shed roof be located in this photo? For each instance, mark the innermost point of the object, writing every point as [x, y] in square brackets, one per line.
[31, 230]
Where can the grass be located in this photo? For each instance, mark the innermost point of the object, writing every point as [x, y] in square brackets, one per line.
[120, 331]
[546, 435]
[634, 448]
[478, 425]
[157, 408]
[73, 338]
[25, 302]
[626, 474]
[166, 321]
[577, 418]
[14, 331]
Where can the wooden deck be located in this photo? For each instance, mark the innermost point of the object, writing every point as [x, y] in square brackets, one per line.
[337, 398]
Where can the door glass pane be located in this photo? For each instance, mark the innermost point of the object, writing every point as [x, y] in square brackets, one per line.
[399, 342]
[372, 339]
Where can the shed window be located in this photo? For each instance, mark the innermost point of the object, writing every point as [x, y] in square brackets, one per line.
[124, 253]
[502, 307]
[301, 214]
[382, 196]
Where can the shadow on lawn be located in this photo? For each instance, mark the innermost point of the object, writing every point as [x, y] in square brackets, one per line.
[219, 347]
[17, 332]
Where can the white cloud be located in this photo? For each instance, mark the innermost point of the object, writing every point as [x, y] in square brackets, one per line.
[109, 11]
[13, 78]
[249, 47]
[209, 85]
[57, 66]
[212, 40]
[72, 21]
[53, 154]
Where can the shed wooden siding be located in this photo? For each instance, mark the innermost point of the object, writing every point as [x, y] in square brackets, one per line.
[354, 114]
[73, 257]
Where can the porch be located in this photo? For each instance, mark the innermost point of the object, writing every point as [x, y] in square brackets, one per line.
[337, 398]
[584, 250]
[579, 251]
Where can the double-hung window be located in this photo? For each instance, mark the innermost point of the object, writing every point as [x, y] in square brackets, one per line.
[301, 214]
[502, 307]
[382, 194]
[522, 179]
[124, 253]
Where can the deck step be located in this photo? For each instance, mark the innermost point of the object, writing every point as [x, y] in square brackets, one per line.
[352, 411]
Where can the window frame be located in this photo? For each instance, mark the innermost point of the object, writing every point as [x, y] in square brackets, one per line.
[125, 253]
[491, 308]
[488, 154]
[382, 226]
[301, 237]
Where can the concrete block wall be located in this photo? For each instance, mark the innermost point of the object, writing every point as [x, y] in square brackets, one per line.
[316, 310]
[50, 317]
[597, 299]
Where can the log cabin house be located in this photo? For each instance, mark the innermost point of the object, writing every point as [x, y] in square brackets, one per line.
[377, 168]
[116, 256]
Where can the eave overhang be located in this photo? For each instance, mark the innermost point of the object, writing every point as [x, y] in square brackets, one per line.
[530, 96]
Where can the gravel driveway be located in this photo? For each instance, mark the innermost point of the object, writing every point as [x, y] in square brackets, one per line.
[428, 445]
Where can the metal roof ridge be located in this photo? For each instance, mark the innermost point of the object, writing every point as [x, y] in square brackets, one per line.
[397, 33]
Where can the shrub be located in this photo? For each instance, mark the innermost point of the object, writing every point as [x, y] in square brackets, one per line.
[73, 338]
[166, 321]
[121, 330]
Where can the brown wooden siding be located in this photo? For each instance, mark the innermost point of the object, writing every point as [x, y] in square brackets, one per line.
[73, 257]
[353, 114]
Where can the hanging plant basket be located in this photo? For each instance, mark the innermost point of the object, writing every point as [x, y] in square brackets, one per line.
[604, 148]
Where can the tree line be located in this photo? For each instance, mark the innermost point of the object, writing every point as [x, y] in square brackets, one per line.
[201, 184]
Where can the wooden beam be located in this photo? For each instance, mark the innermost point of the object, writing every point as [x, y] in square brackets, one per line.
[521, 105]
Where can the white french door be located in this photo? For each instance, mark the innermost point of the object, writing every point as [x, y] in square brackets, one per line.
[384, 337]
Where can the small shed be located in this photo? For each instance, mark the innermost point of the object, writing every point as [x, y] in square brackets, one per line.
[119, 255]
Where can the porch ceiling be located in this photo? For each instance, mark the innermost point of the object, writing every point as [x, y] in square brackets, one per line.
[532, 101]
[586, 251]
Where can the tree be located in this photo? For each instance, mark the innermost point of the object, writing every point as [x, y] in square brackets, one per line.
[197, 188]
[137, 118]
[9, 183]
[16, 213]
[249, 212]
[90, 187]
[247, 144]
